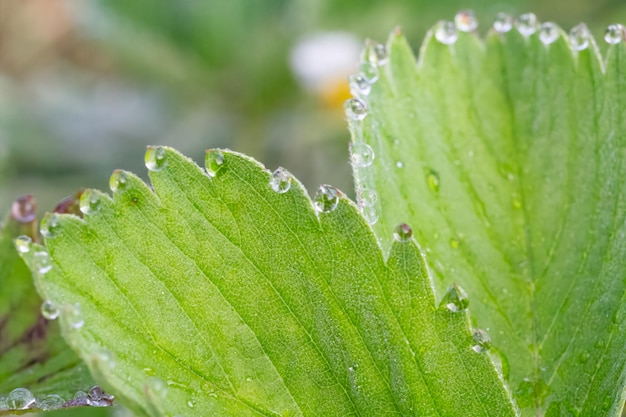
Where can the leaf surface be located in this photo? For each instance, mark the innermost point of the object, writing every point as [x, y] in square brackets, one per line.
[33, 355]
[507, 157]
[216, 295]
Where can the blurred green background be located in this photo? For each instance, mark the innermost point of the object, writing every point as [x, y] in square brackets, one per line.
[85, 85]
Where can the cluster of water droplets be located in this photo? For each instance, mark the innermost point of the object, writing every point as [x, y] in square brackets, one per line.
[375, 57]
[24, 399]
[527, 24]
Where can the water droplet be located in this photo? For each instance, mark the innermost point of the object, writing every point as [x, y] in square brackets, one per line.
[432, 178]
[281, 180]
[74, 315]
[369, 71]
[403, 233]
[98, 398]
[367, 197]
[455, 299]
[49, 310]
[90, 202]
[157, 386]
[191, 403]
[156, 158]
[378, 54]
[20, 399]
[445, 32]
[362, 155]
[23, 244]
[81, 395]
[41, 262]
[50, 227]
[51, 402]
[614, 34]
[482, 341]
[527, 24]
[118, 181]
[96, 393]
[465, 21]
[214, 162]
[584, 357]
[399, 164]
[24, 209]
[548, 33]
[503, 23]
[359, 86]
[355, 108]
[370, 215]
[579, 37]
[454, 243]
[326, 199]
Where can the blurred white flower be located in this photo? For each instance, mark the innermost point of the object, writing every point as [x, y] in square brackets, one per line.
[321, 61]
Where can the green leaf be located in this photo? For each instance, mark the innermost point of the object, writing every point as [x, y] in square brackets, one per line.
[506, 156]
[216, 295]
[33, 355]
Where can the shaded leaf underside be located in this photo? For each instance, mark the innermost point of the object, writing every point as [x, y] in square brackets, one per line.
[506, 156]
[33, 354]
[243, 301]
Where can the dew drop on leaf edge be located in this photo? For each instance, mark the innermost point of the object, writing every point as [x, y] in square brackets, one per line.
[361, 154]
[548, 33]
[456, 299]
[614, 34]
[118, 181]
[356, 109]
[359, 86]
[403, 233]
[41, 262]
[326, 199]
[465, 21]
[20, 399]
[503, 23]
[367, 197]
[49, 310]
[214, 162]
[90, 202]
[526, 24]
[50, 227]
[280, 181]
[23, 244]
[156, 158]
[50, 402]
[24, 209]
[579, 37]
[377, 54]
[446, 33]
[482, 341]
